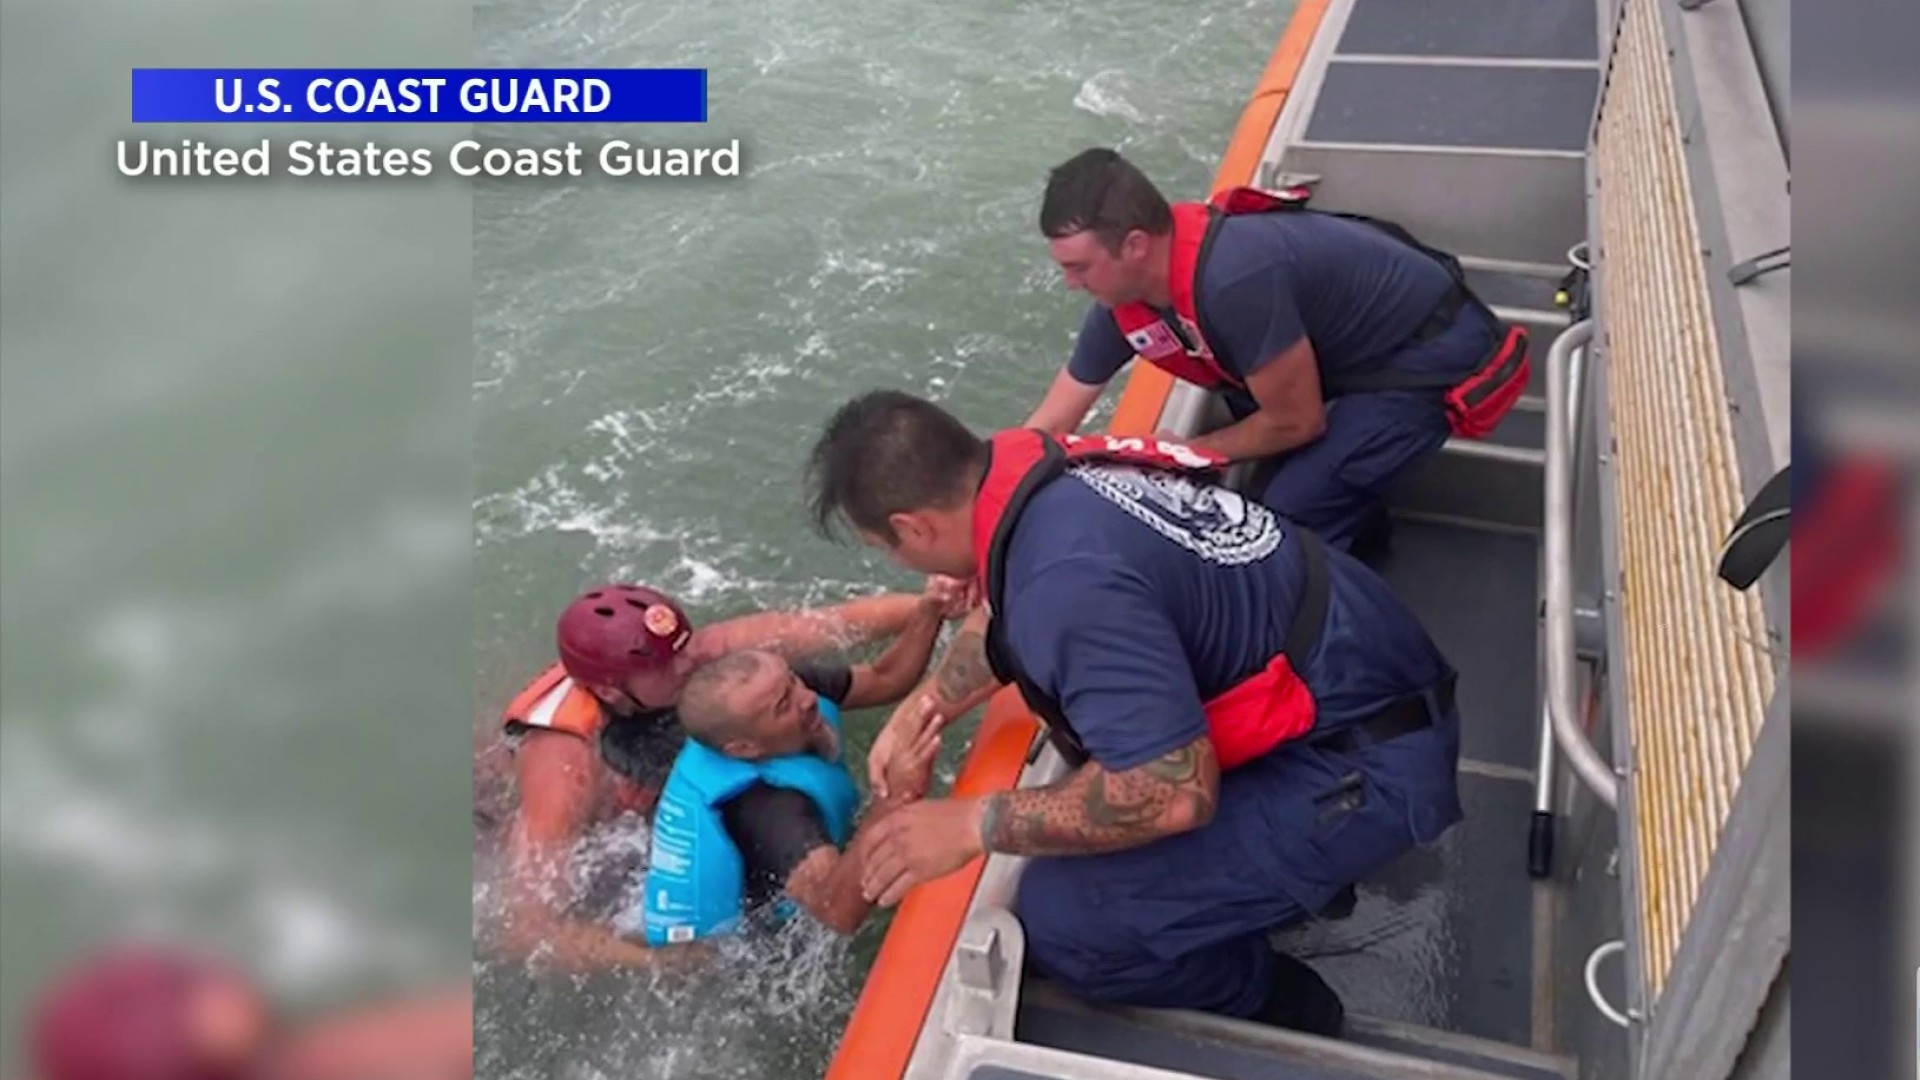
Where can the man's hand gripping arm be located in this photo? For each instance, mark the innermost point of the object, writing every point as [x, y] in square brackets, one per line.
[961, 681]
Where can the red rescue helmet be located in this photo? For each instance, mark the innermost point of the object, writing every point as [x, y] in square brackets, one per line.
[618, 631]
[141, 1013]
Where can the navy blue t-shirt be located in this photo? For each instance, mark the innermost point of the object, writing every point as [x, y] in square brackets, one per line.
[1135, 597]
[1270, 279]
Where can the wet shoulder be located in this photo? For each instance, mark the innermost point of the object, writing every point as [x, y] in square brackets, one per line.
[830, 679]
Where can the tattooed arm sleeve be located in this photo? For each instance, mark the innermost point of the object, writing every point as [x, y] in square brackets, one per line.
[963, 678]
[1096, 811]
[1107, 644]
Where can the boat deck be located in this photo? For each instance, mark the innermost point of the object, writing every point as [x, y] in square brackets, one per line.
[1467, 122]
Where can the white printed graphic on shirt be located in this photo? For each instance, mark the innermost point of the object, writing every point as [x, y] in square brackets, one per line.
[1217, 524]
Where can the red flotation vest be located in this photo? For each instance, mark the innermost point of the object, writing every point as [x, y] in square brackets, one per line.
[1475, 404]
[1249, 719]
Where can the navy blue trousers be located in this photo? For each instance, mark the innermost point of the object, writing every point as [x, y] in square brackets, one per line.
[1182, 922]
[1330, 484]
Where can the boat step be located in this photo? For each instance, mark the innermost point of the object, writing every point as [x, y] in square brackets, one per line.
[1534, 317]
[1487, 1055]
[1225, 1048]
[1562, 30]
[1483, 264]
[1473, 108]
[1478, 482]
[1528, 293]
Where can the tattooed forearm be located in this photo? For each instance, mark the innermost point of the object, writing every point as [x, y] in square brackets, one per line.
[964, 671]
[1095, 811]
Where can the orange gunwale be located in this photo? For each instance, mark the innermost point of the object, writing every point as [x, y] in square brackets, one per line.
[880, 1035]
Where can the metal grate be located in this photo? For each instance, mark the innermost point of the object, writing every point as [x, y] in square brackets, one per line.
[1698, 676]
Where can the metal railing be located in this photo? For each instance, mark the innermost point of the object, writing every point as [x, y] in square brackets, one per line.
[1557, 572]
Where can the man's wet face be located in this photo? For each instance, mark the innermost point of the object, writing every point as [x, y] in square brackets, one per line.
[782, 713]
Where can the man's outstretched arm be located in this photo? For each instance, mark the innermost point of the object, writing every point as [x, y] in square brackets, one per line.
[811, 631]
[1291, 412]
[1099, 352]
[891, 674]
[1122, 679]
[827, 880]
[1066, 405]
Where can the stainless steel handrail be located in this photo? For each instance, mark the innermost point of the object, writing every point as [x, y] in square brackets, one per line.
[1558, 571]
[1540, 834]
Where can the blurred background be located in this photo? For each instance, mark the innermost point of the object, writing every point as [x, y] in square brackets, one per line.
[235, 545]
[1857, 454]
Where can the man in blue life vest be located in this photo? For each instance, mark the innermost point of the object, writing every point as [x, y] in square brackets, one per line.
[1254, 721]
[1340, 347]
[760, 804]
[592, 740]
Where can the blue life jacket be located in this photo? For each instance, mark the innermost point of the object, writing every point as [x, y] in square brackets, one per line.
[696, 881]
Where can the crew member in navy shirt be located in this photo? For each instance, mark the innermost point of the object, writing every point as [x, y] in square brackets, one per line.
[1254, 721]
[1287, 305]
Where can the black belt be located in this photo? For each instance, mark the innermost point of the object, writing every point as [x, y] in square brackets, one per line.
[1403, 717]
[1442, 315]
[1437, 322]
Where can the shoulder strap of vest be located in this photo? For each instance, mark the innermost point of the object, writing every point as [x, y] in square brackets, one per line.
[1052, 462]
[1214, 217]
[1226, 203]
[1058, 729]
[1310, 615]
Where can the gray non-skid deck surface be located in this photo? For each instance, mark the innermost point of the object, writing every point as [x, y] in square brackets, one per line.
[1443, 937]
[1513, 108]
[1477, 593]
[1510, 29]
[1522, 428]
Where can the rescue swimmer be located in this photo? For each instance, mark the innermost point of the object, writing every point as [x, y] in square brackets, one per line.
[1340, 344]
[760, 805]
[594, 736]
[1254, 720]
